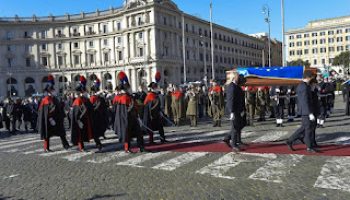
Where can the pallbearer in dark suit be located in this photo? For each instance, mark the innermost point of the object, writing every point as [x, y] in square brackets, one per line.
[51, 117]
[82, 125]
[235, 107]
[305, 109]
[347, 99]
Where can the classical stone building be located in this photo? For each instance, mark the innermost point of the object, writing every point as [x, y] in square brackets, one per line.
[140, 38]
[319, 42]
[276, 50]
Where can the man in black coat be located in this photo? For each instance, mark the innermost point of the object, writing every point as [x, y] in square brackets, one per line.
[9, 116]
[347, 99]
[235, 107]
[305, 109]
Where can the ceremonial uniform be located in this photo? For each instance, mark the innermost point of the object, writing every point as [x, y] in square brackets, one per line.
[216, 105]
[292, 103]
[153, 117]
[99, 115]
[126, 124]
[250, 104]
[261, 103]
[177, 104]
[323, 105]
[192, 106]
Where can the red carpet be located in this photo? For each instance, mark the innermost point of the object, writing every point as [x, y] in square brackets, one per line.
[326, 150]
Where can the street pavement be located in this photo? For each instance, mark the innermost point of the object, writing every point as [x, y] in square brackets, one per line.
[196, 164]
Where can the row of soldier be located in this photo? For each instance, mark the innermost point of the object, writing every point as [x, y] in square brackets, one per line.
[135, 114]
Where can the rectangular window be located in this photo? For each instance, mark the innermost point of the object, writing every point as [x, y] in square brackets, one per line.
[314, 51]
[141, 35]
[9, 62]
[306, 51]
[315, 62]
[92, 58]
[28, 48]
[298, 36]
[105, 42]
[314, 34]
[139, 21]
[322, 33]
[339, 39]
[44, 47]
[9, 35]
[60, 60]
[44, 61]
[105, 28]
[290, 37]
[76, 45]
[307, 43]
[164, 21]
[339, 31]
[28, 62]
[120, 55]
[330, 40]
[43, 34]
[314, 42]
[106, 57]
[119, 40]
[141, 52]
[347, 38]
[91, 43]
[59, 46]
[119, 26]
[330, 32]
[76, 59]
[306, 35]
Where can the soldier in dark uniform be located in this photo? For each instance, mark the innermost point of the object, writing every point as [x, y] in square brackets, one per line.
[291, 104]
[9, 116]
[82, 124]
[153, 118]
[323, 103]
[51, 117]
[126, 124]
[99, 114]
[27, 114]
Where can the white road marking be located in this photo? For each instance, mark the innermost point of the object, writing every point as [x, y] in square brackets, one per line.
[20, 149]
[219, 167]
[19, 144]
[179, 161]
[344, 140]
[108, 157]
[275, 170]
[271, 136]
[76, 156]
[261, 155]
[18, 141]
[335, 174]
[54, 148]
[55, 153]
[134, 162]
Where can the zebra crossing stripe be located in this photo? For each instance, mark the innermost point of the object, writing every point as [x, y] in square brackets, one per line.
[179, 161]
[18, 144]
[271, 136]
[20, 149]
[18, 141]
[108, 157]
[134, 162]
[76, 156]
[335, 174]
[219, 167]
[54, 148]
[275, 170]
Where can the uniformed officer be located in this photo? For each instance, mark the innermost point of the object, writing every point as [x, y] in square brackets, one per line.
[216, 103]
[250, 104]
[177, 104]
[261, 103]
[192, 105]
[291, 94]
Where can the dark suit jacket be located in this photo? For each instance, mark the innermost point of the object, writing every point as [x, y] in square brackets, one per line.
[304, 99]
[234, 99]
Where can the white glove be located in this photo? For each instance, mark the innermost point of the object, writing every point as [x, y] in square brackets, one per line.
[312, 117]
[232, 117]
[52, 122]
[242, 114]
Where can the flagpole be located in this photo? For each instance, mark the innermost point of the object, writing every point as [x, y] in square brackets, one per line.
[183, 47]
[283, 35]
[212, 40]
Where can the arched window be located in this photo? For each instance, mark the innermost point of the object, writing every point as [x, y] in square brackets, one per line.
[29, 80]
[11, 81]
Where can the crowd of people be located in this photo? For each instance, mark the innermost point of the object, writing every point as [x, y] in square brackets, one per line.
[90, 112]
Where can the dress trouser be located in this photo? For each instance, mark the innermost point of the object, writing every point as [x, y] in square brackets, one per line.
[235, 133]
[305, 129]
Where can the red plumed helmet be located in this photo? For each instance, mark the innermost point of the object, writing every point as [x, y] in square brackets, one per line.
[123, 78]
[82, 80]
[51, 79]
[158, 77]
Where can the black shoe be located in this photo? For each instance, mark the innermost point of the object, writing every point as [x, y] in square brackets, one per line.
[290, 146]
[281, 125]
[227, 142]
[99, 146]
[312, 150]
[66, 147]
[302, 141]
[164, 141]
[277, 125]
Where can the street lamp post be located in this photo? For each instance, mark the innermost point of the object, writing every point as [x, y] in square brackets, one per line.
[212, 41]
[266, 11]
[283, 35]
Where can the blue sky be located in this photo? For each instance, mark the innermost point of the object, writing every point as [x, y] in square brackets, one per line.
[243, 15]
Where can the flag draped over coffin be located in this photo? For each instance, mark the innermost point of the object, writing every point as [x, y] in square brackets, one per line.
[273, 72]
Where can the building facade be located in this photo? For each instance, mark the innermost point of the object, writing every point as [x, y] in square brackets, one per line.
[319, 42]
[276, 50]
[139, 38]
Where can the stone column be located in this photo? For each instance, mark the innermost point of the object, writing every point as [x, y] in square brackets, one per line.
[133, 79]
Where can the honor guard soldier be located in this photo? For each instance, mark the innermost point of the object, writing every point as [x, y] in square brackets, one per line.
[177, 104]
[82, 124]
[261, 103]
[323, 105]
[216, 103]
[99, 113]
[192, 105]
[347, 98]
[250, 104]
[153, 119]
[291, 93]
[51, 117]
[126, 124]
